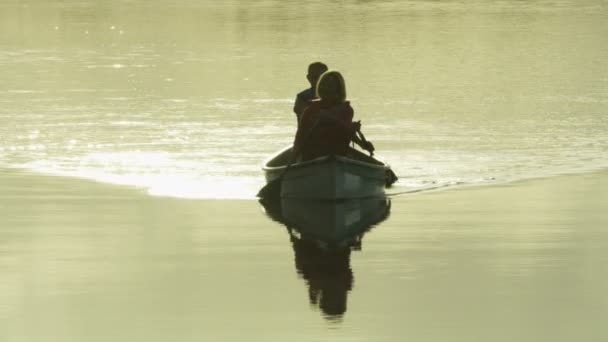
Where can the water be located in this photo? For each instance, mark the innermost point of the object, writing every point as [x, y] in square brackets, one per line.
[181, 101]
[187, 99]
[82, 261]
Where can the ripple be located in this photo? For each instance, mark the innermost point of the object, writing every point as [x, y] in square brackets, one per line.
[106, 66]
[129, 123]
[25, 91]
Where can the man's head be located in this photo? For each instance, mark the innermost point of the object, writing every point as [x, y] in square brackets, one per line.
[315, 70]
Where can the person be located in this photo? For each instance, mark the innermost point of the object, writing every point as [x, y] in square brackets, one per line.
[326, 126]
[315, 70]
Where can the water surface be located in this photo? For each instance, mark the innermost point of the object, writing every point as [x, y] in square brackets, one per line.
[182, 101]
[187, 99]
[82, 261]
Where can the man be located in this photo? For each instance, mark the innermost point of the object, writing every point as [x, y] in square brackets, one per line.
[315, 70]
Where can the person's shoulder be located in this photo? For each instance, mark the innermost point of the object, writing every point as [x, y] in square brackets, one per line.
[314, 103]
[313, 107]
[306, 94]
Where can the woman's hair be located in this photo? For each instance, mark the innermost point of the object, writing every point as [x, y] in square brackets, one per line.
[331, 85]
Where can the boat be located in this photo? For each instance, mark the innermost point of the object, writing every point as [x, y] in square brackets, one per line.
[334, 177]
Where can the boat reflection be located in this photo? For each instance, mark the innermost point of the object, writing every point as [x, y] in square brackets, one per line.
[323, 234]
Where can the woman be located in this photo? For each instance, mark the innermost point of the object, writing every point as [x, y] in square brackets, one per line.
[326, 125]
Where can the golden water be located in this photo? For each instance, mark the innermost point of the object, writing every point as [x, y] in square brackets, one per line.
[182, 101]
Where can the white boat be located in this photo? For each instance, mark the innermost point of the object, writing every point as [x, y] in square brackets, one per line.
[355, 175]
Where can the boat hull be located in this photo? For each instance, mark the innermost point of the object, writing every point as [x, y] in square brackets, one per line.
[329, 178]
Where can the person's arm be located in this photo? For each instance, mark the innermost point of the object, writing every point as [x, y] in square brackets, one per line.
[302, 101]
[358, 138]
[307, 123]
[299, 138]
[298, 106]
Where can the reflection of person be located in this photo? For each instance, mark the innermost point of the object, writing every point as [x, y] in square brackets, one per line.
[315, 70]
[325, 126]
[327, 273]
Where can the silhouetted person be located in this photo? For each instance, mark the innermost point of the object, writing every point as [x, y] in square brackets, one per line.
[325, 126]
[315, 70]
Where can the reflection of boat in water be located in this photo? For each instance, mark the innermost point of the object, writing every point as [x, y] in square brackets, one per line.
[323, 234]
[333, 223]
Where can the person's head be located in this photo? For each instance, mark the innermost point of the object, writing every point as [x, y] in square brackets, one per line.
[331, 88]
[315, 70]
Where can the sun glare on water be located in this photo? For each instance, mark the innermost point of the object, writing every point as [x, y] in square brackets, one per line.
[159, 174]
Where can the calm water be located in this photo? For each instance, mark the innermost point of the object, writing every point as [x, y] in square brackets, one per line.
[81, 261]
[187, 99]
